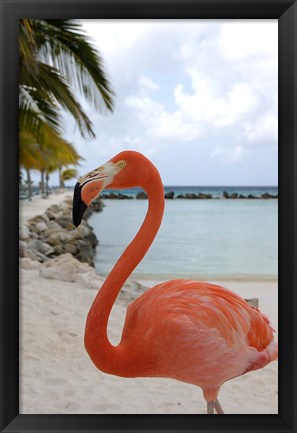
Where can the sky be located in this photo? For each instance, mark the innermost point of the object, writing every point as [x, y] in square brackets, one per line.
[197, 97]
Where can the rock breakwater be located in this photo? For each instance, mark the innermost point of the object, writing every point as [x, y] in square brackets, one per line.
[52, 234]
[141, 195]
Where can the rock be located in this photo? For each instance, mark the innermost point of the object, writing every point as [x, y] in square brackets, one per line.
[169, 195]
[131, 291]
[204, 196]
[57, 238]
[24, 232]
[251, 196]
[90, 280]
[54, 208]
[234, 195]
[96, 205]
[70, 247]
[53, 233]
[52, 227]
[254, 302]
[58, 249]
[190, 196]
[65, 221]
[41, 226]
[38, 224]
[85, 252]
[225, 194]
[38, 218]
[114, 196]
[136, 289]
[109, 196]
[82, 231]
[180, 196]
[64, 267]
[124, 197]
[141, 195]
[27, 263]
[22, 248]
[51, 215]
[54, 239]
[92, 239]
[35, 255]
[41, 247]
[267, 195]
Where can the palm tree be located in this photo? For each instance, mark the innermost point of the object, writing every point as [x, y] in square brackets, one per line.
[68, 173]
[29, 157]
[46, 156]
[55, 58]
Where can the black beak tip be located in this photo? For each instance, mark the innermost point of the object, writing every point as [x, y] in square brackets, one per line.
[79, 206]
[76, 221]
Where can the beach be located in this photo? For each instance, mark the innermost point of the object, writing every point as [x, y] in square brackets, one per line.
[57, 376]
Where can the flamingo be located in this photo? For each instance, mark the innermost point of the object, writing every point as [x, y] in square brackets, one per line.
[192, 331]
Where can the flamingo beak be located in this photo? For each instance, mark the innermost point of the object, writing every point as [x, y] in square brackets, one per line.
[83, 196]
[79, 206]
[89, 187]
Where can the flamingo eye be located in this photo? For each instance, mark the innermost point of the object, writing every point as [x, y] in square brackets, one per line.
[121, 164]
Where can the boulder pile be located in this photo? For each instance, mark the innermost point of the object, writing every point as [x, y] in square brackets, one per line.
[53, 233]
[114, 196]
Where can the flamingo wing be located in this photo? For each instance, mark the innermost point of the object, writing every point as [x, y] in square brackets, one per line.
[195, 331]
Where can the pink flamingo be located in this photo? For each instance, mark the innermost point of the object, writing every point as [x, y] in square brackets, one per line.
[191, 331]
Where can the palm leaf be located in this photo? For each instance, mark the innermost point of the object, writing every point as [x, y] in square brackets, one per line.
[63, 44]
[35, 109]
[55, 57]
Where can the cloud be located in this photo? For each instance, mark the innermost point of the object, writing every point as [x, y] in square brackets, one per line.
[215, 109]
[264, 129]
[229, 155]
[206, 88]
[246, 39]
[148, 83]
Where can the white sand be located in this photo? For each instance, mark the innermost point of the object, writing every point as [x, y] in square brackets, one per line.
[56, 375]
[37, 206]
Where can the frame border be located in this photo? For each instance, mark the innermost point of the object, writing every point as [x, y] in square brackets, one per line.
[286, 13]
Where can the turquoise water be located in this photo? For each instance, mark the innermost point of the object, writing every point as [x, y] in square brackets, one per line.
[208, 239]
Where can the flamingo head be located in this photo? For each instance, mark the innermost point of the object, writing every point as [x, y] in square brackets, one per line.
[122, 171]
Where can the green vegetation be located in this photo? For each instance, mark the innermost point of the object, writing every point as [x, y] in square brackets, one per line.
[55, 61]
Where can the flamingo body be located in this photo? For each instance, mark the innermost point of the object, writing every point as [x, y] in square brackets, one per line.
[196, 332]
[191, 331]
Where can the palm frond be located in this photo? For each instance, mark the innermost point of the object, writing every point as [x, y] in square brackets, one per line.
[35, 109]
[51, 79]
[69, 49]
[49, 151]
[55, 58]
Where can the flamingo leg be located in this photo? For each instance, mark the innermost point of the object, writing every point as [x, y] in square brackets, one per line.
[218, 407]
[210, 408]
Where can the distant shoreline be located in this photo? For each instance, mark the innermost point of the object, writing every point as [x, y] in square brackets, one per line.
[185, 193]
[170, 195]
[200, 192]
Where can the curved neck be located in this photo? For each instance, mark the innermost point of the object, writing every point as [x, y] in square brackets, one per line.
[104, 355]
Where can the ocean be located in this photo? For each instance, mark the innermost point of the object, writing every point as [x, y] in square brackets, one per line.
[213, 239]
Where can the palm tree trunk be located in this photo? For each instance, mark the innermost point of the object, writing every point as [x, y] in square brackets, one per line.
[29, 185]
[61, 182]
[42, 182]
[46, 183]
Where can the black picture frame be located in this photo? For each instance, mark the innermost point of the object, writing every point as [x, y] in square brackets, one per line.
[286, 13]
